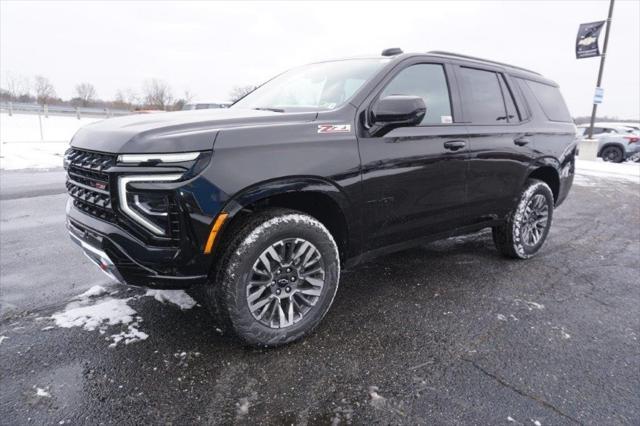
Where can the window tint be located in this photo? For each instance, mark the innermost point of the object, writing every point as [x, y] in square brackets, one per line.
[429, 82]
[550, 100]
[483, 96]
[512, 111]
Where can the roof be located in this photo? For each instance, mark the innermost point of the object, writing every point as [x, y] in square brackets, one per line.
[476, 59]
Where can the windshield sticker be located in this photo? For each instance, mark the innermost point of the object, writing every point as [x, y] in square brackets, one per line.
[334, 128]
[446, 119]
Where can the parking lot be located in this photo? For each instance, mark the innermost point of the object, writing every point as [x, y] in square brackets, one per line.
[446, 333]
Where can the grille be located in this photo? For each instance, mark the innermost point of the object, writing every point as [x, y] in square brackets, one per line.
[88, 183]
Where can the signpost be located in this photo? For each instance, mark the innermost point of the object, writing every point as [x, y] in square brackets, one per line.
[587, 47]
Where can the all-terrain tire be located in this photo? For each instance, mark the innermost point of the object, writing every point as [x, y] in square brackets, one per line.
[227, 296]
[511, 238]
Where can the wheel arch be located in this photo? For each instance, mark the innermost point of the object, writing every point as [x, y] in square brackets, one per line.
[549, 175]
[611, 144]
[315, 196]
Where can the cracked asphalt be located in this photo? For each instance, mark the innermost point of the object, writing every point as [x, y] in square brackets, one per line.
[446, 333]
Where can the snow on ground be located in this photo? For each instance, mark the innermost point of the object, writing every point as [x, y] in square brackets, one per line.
[100, 315]
[23, 146]
[95, 309]
[601, 169]
[95, 291]
[43, 393]
[177, 297]
[26, 127]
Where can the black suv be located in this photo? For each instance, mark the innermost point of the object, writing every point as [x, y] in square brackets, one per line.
[259, 206]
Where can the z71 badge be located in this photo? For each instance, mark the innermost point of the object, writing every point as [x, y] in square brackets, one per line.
[334, 128]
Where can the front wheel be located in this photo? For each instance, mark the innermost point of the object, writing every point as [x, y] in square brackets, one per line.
[277, 277]
[527, 226]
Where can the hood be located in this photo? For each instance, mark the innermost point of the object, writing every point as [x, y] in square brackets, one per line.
[174, 131]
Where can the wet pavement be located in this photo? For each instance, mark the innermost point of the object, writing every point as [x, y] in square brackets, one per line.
[447, 333]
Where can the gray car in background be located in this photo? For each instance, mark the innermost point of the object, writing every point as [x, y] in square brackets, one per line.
[616, 141]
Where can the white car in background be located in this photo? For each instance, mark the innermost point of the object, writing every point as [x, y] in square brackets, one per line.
[616, 141]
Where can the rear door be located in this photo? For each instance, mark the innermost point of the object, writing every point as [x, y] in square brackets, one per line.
[414, 178]
[500, 150]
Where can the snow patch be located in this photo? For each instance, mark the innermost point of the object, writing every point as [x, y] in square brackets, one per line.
[177, 297]
[530, 305]
[376, 400]
[3, 338]
[132, 335]
[536, 422]
[602, 169]
[103, 314]
[95, 291]
[243, 405]
[502, 317]
[43, 393]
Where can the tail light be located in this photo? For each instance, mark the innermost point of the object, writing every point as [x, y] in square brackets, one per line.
[632, 139]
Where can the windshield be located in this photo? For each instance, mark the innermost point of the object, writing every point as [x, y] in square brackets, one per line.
[321, 86]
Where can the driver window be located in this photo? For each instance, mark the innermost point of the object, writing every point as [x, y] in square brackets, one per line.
[429, 82]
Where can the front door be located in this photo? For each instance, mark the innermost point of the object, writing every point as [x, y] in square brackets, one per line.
[414, 178]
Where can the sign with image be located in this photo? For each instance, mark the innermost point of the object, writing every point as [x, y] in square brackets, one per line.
[587, 40]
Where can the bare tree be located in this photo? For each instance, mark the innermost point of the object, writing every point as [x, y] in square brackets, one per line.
[85, 93]
[17, 86]
[240, 92]
[127, 97]
[184, 100]
[44, 90]
[156, 94]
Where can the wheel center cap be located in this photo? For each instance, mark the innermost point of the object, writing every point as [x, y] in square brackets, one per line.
[282, 282]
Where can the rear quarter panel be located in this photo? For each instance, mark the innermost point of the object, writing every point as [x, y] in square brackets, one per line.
[554, 143]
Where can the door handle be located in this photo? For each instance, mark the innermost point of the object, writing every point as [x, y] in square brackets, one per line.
[454, 145]
[521, 141]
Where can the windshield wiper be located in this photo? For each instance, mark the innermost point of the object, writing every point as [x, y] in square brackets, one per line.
[269, 109]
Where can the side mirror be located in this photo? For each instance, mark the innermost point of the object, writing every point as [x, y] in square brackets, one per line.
[395, 111]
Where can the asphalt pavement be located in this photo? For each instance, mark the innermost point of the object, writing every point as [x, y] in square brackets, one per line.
[446, 333]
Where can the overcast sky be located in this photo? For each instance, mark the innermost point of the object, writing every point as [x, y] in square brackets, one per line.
[209, 47]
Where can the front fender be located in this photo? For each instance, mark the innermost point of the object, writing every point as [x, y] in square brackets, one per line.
[285, 185]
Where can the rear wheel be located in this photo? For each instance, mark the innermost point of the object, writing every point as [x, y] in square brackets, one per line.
[527, 227]
[612, 154]
[277, 277]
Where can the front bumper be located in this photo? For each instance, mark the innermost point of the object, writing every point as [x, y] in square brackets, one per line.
[128, 260]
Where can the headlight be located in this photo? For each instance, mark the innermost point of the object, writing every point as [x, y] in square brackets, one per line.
[148, 209]
[179, 157]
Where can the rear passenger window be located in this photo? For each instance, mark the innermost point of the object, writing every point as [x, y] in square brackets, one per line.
[429, 82]
[550, 100]
[483, 96]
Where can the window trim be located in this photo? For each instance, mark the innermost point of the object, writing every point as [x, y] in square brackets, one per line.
[375, 94]
[518, 98]
[498, 72]
[505, 87]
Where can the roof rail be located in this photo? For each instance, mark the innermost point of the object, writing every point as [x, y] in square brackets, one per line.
[474, 58]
